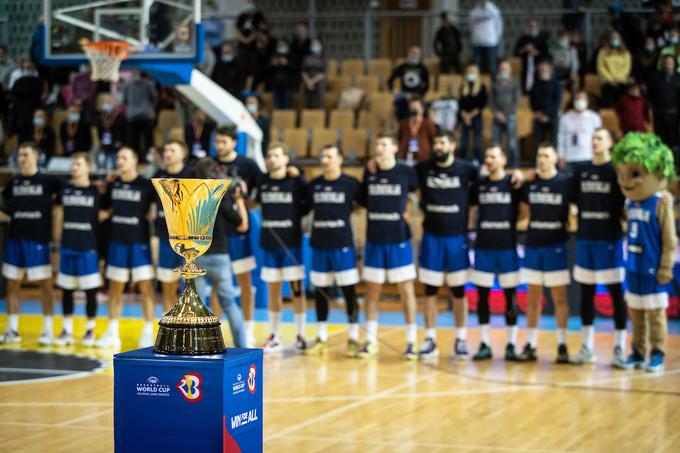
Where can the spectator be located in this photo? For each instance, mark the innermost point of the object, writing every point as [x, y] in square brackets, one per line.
[446, 111]
[252, 102]
[672, 46]
[664, 96]
[110, 125]
[182, 42]
[197, 135]
[75, 131]
[209, 60]
[645, 64]
[265, 47]
[140, 97]
[42, 135]
[6, 67]
[545, 99]
[633, 111]
[83, 90]
[575, 133]
[314, 76]
[213, 27]
[504, 99]
[448, 45]
[300, 46]
[565, 61]
[25, 90]
[486, 28]
[627, 25]
[472, 101]
[228, 73]
[414, 79]
[249, 25]
[614, 66]
[416, 133]
[530, 47]
[282, 76]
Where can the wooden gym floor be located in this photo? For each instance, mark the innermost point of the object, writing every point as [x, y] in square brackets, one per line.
[334, 404]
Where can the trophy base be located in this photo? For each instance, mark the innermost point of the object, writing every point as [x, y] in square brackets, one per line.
[176, 339]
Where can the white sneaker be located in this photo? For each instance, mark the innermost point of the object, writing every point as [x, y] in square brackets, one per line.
[146, 339]
[88, 339]
[64, 339]
[108, 340]
[10, 337]
[46, 339]
[273, 344]
[585, 355]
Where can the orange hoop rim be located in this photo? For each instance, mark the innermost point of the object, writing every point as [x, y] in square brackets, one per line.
[116, 49]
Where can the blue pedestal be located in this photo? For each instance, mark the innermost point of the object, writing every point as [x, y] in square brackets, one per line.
[188, 403]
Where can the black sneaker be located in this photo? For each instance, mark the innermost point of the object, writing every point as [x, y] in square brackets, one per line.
[562, 354]
[528, 354]
[484, 353]
[300, 344]
[460, 350]
[510, 354]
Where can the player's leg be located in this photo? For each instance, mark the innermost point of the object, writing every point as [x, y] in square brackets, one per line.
[352, 306]
[66, 338]
[534, 306]
[508, 278]
[457, 265]
[146, 291]
[91, 313]
[559, 296]
[620, 323]
[556, 268]
[482, 277]
[294, 272]
[407, 293]
[220, 266]
[36, 259]
[322, 278]
[374, 274]
[245, 284]
[658, 327]
[402, 271]
[460, 313]
[118, 274]
[47, 302]
[275, 306]
[168, 260]
[585, 274]
[431, 274]
[169, 291]
[428, 349]
[11, 335]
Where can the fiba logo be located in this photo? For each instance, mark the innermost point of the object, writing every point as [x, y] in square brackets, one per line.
[152, 380]
[251, 379]
[189, 387]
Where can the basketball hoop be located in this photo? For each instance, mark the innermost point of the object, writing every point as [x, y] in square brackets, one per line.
[105, 58]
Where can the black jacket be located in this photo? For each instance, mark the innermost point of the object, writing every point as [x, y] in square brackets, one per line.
[664, 93]
[447, 42]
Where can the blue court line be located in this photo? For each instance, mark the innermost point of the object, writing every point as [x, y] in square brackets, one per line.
[339, 317]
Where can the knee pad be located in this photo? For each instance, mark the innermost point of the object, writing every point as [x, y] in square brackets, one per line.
[431, 290]
[458, 291]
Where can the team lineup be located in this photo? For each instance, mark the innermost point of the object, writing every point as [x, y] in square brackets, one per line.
[112, 218]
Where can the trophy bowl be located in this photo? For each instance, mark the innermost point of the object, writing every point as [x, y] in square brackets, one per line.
[190, 207]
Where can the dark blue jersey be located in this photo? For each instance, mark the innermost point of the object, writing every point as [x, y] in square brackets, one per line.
[81, 217]
[129, 203]
[160, 225]
[444, 196]
[548, 201]
[283, 205]
[29, 201]
[643, 236]
[332, 202]
[244, 168]
[385, 195]
[498, 203]
[600, 202]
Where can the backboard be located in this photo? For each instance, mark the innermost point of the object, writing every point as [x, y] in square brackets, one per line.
[156, 30]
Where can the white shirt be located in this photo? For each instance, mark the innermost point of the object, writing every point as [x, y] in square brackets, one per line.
[575, 135]
[486, 25]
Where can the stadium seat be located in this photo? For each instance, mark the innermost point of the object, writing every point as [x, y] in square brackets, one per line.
[338, 84]
[449, 81]
[354, 143]
[591, 84]
[432, 65]
[487, 127]
[376, 122]
[382, 68]
[332, 67]
[176, 133]
[283, 119]
[381, 102]
[167, 118]
[524, 103]
[486, 80]
[313, 118]
[297, 140]
[352, 67]
[367, 83]
[341, 119]
[523, 119]
[610, 120]
[322, 137]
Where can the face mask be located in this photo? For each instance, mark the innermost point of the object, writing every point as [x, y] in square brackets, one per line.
[674, 39]
[282, 50]
[471, 78]
[316, 50]
[564, 42]
[650, 47]
[39, 121]
[616, 43]
[533, 32]
[249, 7]
[74, 117]
[227, 58]
[149, 158]
[441, 157]
[200, 120]
[413, 60]
[544, 76]
[252, 108]
[580, 104]
[107, 107]
[505, 75]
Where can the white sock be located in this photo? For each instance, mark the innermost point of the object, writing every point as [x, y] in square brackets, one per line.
[250, 329]
[431, 332]
[621, 339]
[461, 333]
[372, 331]
[561, 336]
[532, 337]
[48, 324]
[14, 323]
[300, 319]
[148, 328]
[275, 319]
[67, 324]
[90, 324]
[322, 331]
[354, 331]
[512, 335]
[485, 334]
[113, 327]
[589, 336]
[412, 333]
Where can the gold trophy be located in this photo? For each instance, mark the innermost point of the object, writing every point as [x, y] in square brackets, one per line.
[190, 207]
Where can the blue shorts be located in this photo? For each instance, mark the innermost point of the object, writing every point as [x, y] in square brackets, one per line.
[168, 261]
[388, 261]
[489, 263]
[241, 254]
[546, 266]
[331, 266]
[644, 292]
[282, 265]
[443, 259]
[599, 262]
[27, 257]
[78, 269]
[129, 262]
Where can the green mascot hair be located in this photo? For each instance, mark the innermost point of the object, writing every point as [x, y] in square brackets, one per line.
[645, 149]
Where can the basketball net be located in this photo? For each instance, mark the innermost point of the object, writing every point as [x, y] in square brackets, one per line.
[105, 58]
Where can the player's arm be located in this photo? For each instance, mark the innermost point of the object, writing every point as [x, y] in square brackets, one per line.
[664, 213]
[242, 211]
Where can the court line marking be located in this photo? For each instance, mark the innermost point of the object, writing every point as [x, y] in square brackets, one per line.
[52, 425]
[55, 404]
[38, 371]
[448, 446]
[634, 375]
[52, 378]
[84, 418]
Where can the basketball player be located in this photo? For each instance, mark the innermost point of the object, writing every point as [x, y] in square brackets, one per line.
[29, 197]
[388, 255]
[496, 248]
[332, 196]
[283, 204]
[545, 201]
[444, 196]
[129, 255]
[78, 257]
[240, 248]
[599, 244]
[174, 154]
